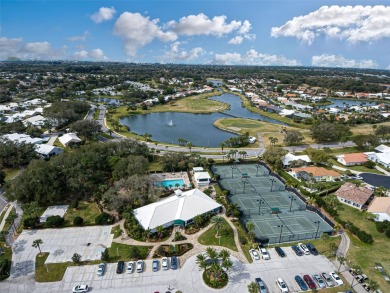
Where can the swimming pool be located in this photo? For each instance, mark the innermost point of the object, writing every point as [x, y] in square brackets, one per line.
[170, 183]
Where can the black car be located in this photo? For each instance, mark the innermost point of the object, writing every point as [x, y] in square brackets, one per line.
[312, 249]
[120, 266]
[174, 262]
[297, 250]
[301, 283]
[280, 251]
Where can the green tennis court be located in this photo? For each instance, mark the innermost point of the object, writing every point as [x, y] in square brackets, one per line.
[277, 214]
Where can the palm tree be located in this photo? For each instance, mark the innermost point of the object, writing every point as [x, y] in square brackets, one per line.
[373, 285]
[342, 261]
[224, 254]
[37, 244]
[217, 221]
[250, 227]
[311, 201]
[222, 145]
[190, 145]
[201, 261]
[212, 253]
[198, 221]
[227, 264]
[160, 231]
[253, 287]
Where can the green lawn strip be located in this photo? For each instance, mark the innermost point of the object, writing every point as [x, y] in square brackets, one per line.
[105, 135]
[86, 210]
[10, 173]
[355, 168]
[8, 225]
[117, 252]
[226, 237]
[242, 234]
[116, 231]
[155, 165]
[366, 255]
[6, 254]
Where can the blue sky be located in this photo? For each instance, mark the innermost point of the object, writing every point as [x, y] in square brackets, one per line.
[275, 32]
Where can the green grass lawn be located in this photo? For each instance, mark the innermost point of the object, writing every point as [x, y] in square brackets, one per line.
[10, 173]
[7, 254]
[116, 231]
[226, 237]
[88, 211]
[119, 251]
[245, 248]
[155, 165]
[366, 255]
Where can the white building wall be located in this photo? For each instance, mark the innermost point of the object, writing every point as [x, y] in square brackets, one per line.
[349, 203]
[382, 217]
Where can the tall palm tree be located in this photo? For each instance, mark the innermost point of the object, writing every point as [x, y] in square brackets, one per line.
[250, 227]
[201, 262]
[227, 264]
[222, 146]
[342, 261]
[224, 254]
[190, 145]
[37, 244]
[160, 231]
[198, 221]
[217, 221]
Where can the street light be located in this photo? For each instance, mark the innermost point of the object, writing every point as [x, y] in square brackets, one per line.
[260, 202]
[318, 227]
[281, 230]
[244, 181]
[232, 170]
[272, 183]
[292, 199]
[257, 170]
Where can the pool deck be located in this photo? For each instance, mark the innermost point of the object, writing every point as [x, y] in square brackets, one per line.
[172, 176]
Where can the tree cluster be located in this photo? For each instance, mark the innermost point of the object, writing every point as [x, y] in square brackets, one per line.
[329, 132]
[16, 154]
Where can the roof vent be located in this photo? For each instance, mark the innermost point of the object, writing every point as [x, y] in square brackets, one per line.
[178, 192]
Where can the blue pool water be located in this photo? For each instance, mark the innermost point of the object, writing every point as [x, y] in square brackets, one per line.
[172, 182]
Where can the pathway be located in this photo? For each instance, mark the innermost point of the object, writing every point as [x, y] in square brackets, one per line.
[5, 217]
[52, 139]
[382, 170]
[346, 169]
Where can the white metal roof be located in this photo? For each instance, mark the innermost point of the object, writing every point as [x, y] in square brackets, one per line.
[45, 149]
[290, 157]
[202, 175]
[184, 207]
[69, 137]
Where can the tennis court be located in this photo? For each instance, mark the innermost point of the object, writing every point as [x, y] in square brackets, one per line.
[277, 214]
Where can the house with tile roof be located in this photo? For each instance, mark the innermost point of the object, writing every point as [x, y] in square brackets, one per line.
[352, 159]
[380, 206]
[318, 173]
[354, 196]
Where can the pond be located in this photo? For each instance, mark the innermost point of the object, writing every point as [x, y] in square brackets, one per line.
[199, 129]
[341, 103]
[215, 82]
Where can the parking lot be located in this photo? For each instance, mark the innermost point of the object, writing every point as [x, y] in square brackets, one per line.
[189, 278]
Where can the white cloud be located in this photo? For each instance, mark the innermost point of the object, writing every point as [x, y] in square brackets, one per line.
[326, 60]
[236, 40]
[245, 28]
[388, 67]
[351, 23]
[252, 57]
[178, 54]
[103, 14]
[81, 38]
[35, 50]
[95, 54]
[201, 24]
[138, 31]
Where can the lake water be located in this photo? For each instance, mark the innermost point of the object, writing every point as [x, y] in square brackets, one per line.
[215, 82]
[107, 101]
[348, 103]
[197, 128]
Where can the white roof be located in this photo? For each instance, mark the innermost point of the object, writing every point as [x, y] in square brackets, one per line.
[202, 175]
[290, 157]
[384, 158]
[69, 137]
[176, 207]
[197, 169]
[34, 119]
[45, 149]
[22, 138]
[383, 148]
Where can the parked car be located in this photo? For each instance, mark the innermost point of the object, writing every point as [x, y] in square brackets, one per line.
[280, 251]
[155, 265]
[130, 267]
[361, 278]
[262, 286]
[174, 262]
[304, 248]
[140, 266]
[101, 269]
[301, 283]
[319, 281]
[165, 263]
[336, 279]
[281, 285]
[312, 249]
[264, 253]
[254, 254]
[328, 280]
[120, 266]
[309, 281]
[297, 250]
[80, 289]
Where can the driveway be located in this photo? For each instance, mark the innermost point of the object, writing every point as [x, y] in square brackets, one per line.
[189, 278]
[376, 180]
[61, 243]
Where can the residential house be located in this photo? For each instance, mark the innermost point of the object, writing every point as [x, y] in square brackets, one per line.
[354, 196]
[69, 138]
[46, 151]
[380, 158]
[288, 158]
[383, 148]
[380, 206]
[318, 173]
[178, 209]
[352, 159]
[22, 138]
[36, 121]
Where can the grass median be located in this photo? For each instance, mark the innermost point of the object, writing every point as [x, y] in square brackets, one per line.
[226, 238]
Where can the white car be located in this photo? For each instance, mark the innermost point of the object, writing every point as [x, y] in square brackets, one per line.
[164, 263]
[336, 278]
[281, 285]
[130, 267]
[264, 253]
[80, 289]
[304, 248]
[254, 254]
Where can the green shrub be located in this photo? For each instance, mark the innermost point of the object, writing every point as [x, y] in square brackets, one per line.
[74, 204]
[104, 219]
[78, 221]
[242, 240]
[54, 221]
[387, 233]
[29, 222]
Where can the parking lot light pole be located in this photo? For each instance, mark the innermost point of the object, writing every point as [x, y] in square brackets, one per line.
[281, 230]
[245, 182]
[292, 199]
[318, 227]
[272, 183]
[232, 170]
[260, 202]
[257, 170]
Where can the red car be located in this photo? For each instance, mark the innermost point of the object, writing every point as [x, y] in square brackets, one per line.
[309, 281]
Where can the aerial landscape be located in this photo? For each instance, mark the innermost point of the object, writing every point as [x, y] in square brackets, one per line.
[169, 146]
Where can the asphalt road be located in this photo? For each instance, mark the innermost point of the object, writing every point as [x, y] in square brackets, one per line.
[376, 180]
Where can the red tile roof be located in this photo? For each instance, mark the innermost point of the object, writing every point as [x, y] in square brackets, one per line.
[351, 192]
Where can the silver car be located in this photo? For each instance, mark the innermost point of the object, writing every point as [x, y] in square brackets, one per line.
[101, 269]
[328, 280]
[319, 281]
[262, 286]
